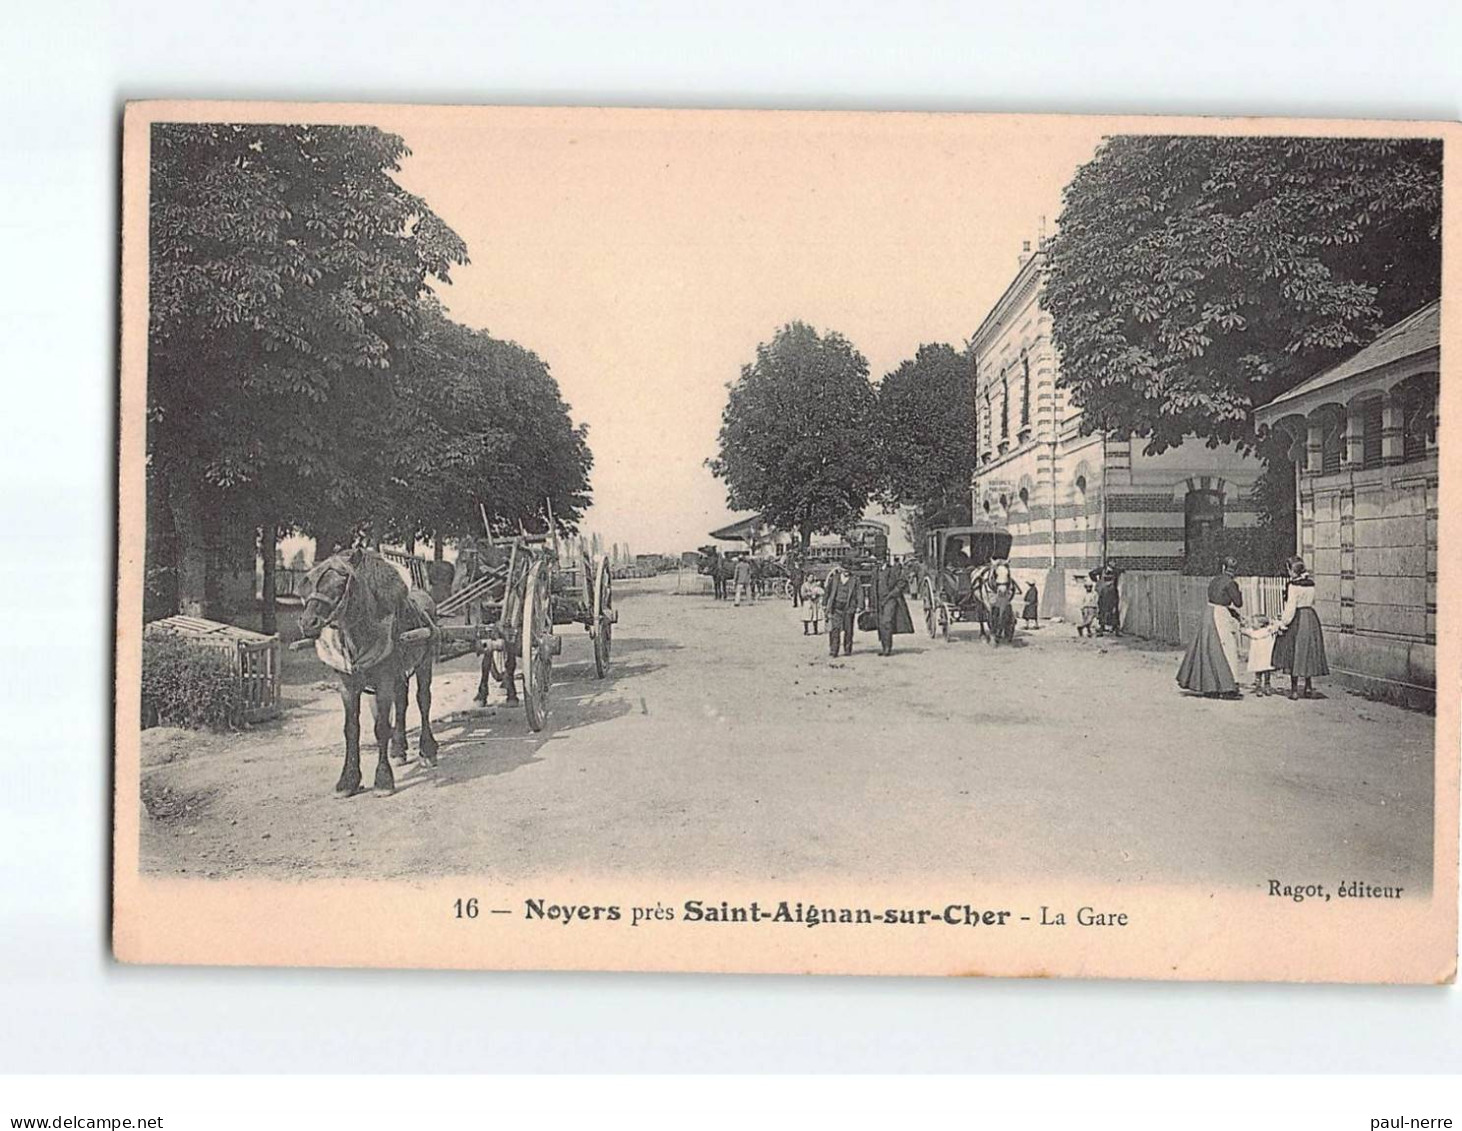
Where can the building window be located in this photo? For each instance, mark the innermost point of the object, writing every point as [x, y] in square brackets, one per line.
[1370, 433]
[1202, 514]
[1418, 418]
[1005, 407]
[1332, 446]
[1025, 498]
[1025, 391]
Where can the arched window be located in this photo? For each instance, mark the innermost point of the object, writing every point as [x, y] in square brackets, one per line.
[1202, 514]
[1025, 497]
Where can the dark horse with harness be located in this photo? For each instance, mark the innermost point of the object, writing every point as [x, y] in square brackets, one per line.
[377, 634]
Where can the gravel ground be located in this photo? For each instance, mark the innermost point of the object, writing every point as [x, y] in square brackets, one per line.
[724, 742]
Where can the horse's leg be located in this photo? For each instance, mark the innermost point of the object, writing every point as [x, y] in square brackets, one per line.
[510, 675]
[482, 684]
[385, 698]
[427, 745]
[398, 719]
[349, 782]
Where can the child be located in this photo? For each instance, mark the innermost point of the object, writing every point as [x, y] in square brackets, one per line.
[1261, 636]
[1088, 608]
[1032, 606]
[811, 607]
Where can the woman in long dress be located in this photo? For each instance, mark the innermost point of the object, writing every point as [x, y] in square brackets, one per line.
[1300, 648]
[1212, 664]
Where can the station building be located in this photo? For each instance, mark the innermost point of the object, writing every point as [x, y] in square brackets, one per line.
[1074, 501]
[1364, 441]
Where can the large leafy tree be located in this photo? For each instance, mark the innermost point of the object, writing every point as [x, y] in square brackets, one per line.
[926, 436]
[1194, 278]
[797, 434]
[479, 425]
[286, 264]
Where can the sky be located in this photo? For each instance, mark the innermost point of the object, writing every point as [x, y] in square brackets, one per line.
[644, 255]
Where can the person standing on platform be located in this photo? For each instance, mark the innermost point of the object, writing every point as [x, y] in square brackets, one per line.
[842, 600]
[889, 606]
[1032, 611]
[743, 580]
[1300, 649]
[1211, 666]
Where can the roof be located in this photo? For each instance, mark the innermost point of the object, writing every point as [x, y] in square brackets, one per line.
[206, 630]
[739, 530]
[1416, 333]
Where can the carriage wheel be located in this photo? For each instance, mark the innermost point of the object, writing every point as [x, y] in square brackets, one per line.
[537, 663]
[931, 616]
[603, 617]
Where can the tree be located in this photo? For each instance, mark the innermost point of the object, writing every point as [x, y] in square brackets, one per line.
[797, 434]
[285, 268]
[479, 421]
[1194, 278]
[926, 437]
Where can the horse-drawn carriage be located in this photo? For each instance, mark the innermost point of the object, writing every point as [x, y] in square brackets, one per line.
[951, 576]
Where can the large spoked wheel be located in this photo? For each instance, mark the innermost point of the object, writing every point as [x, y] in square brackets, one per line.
[603, 618]
[537, 655]
[931, 609]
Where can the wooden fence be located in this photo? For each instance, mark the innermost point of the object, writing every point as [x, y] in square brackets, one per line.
[1166, 606]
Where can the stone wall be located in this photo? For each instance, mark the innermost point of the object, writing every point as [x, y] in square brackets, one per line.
[1370, 538]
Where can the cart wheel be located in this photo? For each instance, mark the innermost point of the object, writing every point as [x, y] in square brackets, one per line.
[931, 622]
[537, 663]
[603, 618]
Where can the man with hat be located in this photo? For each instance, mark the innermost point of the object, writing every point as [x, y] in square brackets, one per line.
[889, 584]
[842, 600]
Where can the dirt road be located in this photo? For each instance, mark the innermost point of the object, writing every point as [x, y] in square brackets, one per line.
[726, 742]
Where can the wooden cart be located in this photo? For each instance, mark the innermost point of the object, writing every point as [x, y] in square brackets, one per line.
[516, 605]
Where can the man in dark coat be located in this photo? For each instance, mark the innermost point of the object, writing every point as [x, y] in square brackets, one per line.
[842, 600]
[889, 584]
[796, 576]
[1109, 607]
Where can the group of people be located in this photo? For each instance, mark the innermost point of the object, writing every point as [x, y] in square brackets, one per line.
[841, 600]
[738, 580]
[1101, 603]
[1294, 645]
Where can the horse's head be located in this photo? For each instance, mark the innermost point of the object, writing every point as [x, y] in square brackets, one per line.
[328, 586]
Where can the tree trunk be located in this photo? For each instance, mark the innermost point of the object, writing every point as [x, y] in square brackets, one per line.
[438, 548]
[192, 549]
[411, 544]
[268, 549]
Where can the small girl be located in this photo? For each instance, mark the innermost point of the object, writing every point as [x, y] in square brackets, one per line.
[1088, 608]
[811, 608]
[1261, 636]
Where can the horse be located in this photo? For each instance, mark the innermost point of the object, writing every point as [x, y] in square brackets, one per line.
[356, 609]
[1002, 589]
[976, 606]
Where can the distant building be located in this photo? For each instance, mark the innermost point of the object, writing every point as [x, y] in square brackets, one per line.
[1074, 501]
[1365, 449]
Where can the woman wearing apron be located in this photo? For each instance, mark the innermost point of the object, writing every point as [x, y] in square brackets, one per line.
[1300, 649]
[1211, 666]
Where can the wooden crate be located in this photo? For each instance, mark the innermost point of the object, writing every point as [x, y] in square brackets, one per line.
[255, 659]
